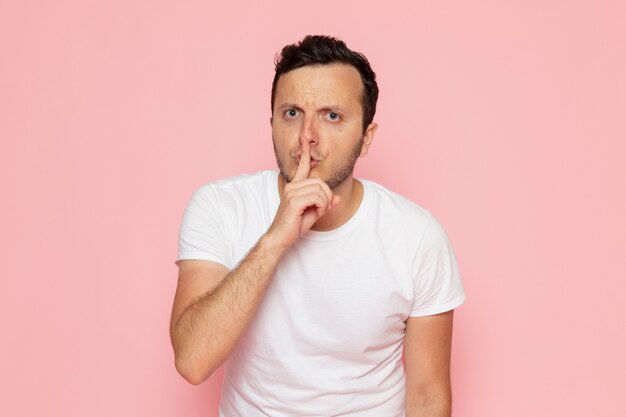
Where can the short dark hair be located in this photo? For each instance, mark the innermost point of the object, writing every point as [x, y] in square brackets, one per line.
[324, 50]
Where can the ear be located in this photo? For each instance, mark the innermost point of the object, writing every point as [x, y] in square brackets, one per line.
[271, 120]
[368, 137]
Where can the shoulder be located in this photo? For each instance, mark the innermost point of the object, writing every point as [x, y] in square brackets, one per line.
[394, 206]
[236, 187]
[412, 224]
[242, 181]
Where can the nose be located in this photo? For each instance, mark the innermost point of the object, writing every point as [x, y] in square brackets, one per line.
[308, 130]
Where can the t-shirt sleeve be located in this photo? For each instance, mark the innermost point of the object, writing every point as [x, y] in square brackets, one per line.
[436, 278]
[202, 231]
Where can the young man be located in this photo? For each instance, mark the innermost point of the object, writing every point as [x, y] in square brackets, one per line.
[311, 282]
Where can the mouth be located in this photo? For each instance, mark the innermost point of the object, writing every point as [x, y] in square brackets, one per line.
[314, 161]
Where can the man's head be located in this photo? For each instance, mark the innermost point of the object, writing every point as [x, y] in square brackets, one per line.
[325, 50]
[325, 94]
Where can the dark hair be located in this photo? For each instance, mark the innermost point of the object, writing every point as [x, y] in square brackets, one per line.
[324, 50]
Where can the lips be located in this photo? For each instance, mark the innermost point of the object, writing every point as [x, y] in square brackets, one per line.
[314, 161]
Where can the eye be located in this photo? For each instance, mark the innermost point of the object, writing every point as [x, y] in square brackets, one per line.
[291, 113]
[334, 116]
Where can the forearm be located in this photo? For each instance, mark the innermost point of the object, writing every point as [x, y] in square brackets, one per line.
[207, 330]
[434, 410]
[430, 405]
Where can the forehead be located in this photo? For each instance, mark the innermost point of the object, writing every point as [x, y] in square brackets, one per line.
[321, 84]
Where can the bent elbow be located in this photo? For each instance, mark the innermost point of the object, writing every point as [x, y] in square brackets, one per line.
[191, 372]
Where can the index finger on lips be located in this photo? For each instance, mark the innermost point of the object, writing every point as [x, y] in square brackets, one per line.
[304, 167]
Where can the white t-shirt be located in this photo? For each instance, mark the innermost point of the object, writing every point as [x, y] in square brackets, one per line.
[327, 338]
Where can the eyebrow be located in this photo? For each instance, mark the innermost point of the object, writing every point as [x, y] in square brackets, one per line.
[288, 106]
[337, 109]
[333, 108]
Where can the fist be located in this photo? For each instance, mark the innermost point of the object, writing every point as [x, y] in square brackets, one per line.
[304, 201]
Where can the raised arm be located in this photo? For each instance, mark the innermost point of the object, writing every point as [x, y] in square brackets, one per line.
[213, 306]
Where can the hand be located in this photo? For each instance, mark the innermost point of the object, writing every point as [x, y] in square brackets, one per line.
[304, 201]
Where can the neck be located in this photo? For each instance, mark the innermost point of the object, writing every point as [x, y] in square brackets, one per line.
[351, 193]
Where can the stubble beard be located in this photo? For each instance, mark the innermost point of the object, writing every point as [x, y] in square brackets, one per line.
[337, 176]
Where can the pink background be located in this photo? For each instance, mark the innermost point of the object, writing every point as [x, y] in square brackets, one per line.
[505, 119]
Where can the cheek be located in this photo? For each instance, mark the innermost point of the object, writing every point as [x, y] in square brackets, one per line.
[339, 135]
[331, 131]
[284, 140]
[287, 132]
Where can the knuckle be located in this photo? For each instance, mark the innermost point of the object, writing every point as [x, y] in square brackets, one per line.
[292, 202]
